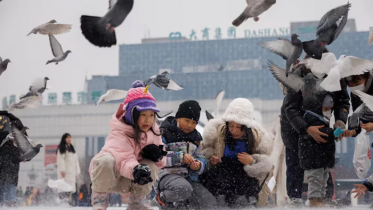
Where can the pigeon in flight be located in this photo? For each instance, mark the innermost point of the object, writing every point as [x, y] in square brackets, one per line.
[288, 50]
[254, 9]
[365, 108]
[28, 151]
[112, 95]
[163, 82]
[57, 51]
[38, 86]
[327, 31]
[51, 28]
[3, 65]
[100, 31]
[218, 99]
[344, 67]
[320, 68]
[370, 40]
[209, 116]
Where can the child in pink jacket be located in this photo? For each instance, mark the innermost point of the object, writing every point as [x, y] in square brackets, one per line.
[120, 166]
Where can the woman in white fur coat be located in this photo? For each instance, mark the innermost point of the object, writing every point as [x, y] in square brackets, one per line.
[67, 164]
[237, 149]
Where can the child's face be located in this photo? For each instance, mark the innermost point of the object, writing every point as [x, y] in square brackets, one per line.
[356, 81]
[186, 125]
[68, 140]
[146, 120]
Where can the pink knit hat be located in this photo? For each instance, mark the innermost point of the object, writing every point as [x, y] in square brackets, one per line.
[140, 98]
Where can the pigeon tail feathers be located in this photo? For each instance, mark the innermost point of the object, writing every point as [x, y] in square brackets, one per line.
[331, 82]
[238, 21]
[96, 33]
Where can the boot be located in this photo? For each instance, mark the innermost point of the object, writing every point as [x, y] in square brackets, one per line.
[100, 201]
[137, 203]
[161, 203]
[316, 202]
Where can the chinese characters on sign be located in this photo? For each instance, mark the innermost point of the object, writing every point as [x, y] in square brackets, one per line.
[66, 98]
[231, 33]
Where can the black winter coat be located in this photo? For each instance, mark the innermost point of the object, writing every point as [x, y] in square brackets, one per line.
[289, 135]
[311, 154]
[356, 102]
[9, 154]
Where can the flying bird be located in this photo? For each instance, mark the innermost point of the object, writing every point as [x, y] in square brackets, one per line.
[320, 68]
[344, 67]
[288, 50]
[209, 116]
[3, 65]
[370, 40]
[112, 95]
[163, 82]
[217, 102]
[254, 9]
[27, 150]
[51, 28]
[366, 108]
[327, 30]
[38, 86]
[100, 31]
[57, 51]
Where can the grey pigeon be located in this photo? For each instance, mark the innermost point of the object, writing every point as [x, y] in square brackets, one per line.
[309, 85]
[38, 86]
[27, 150]
[100, 31]
[57, 51]
[51, 28]
[254, 9]
[3, 65]
[209, 116]
[365, 110]
[354, 119]
[163, 82]
[288, 50]
[327, 31]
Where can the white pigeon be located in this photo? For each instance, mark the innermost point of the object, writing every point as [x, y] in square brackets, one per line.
[218, 99]
[112, 95]
[51, 28]
[367, 99]
[57, 51]
[28, 102]
[320, 68]
[370, 41]
[254, 9]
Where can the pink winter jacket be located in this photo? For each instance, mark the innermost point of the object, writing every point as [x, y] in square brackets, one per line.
[124, 149]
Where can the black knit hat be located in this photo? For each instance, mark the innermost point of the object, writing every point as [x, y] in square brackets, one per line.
[189, 109]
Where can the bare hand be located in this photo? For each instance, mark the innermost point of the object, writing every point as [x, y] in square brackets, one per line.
[349, 133]
[188, 159]
[63, 174]
[214, 160]
[316, 133]
[361, 189]
[196, 165]
[340, 124]
[245, 158]
[368, 127]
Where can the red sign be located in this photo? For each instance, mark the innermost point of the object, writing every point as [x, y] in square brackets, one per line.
[50, 154]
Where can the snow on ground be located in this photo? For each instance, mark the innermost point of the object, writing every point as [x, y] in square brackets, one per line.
[124, 208]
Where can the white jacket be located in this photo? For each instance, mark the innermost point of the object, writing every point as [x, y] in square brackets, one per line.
[68, 163]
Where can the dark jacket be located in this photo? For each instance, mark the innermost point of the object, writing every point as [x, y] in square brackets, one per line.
[289, 135]
[311, 154]
[356, 102]
[9, 154]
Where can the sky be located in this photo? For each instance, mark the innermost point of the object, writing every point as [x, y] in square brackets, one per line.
[149, 18]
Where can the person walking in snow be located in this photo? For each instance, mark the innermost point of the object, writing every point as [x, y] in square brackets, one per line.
[120, 166]
[67, 165]
[178, 183]
[237, 148]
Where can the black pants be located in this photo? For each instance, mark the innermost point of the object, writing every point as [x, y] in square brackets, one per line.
[294, 174]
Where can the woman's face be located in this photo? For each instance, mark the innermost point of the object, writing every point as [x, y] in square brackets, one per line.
[186, 125]
[356, 81]
[68, 140]
[146, 120]
[236, 130]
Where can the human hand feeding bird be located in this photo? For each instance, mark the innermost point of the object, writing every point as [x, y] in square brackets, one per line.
[254, 9]
[100, 31]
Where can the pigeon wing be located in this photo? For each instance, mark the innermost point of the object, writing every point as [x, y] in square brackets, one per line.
[367, 99]
[331, 18]
[21, 141]
[292, 81]
[1, 60]
[150, 80]
[351, 65]
[173, 86]
[37, 84]
[55, 46]
[341, 26]
[209, 116]
[370, 41]
[111, 3]
[281, 47]
[218, 99]
[112, 95]
[54, 29]
[320, 67]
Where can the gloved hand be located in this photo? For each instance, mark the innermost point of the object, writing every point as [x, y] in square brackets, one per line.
[341, 124]
[141, 174]
[153, 152]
